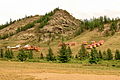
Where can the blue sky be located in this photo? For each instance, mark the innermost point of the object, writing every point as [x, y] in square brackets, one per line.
[80, 9]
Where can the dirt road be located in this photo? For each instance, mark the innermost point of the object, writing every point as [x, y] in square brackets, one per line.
[57, 76]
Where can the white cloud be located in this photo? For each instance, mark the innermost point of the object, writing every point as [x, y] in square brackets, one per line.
[79, 8]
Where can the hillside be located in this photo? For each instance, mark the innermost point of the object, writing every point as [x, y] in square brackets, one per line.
[53, 26]
[61, 23]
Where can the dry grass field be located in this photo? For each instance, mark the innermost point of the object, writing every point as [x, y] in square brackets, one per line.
[56, 71]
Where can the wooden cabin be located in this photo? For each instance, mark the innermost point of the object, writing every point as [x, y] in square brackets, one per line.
[84, 42]
[89, 46]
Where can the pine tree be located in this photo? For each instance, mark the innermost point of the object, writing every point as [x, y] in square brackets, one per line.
[109, 54]
[100, 54]
[63, 54]
[104, 55]
[94, 56]
[82, 54]
[22, 56]
[41, 56]
[11, 21]
[30, 54]
[105, 19]
[117, 55]
[101, 19]
[113, 26]
[1, 53]
[50, 56]
[9, 54]
[69, 52]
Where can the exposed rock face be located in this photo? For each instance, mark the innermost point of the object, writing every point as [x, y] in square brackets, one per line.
[61, 23]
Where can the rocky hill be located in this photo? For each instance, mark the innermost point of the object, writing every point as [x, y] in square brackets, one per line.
[37, 30]
[61, 23]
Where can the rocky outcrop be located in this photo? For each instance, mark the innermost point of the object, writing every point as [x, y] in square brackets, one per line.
[61, 23]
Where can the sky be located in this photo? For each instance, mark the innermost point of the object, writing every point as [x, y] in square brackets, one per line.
[81, 9]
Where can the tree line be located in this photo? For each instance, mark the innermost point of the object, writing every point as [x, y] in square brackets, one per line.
[22, 54]
[12, 21]
[64, 55]
[95, 55]
[7, 24]
[98, 23]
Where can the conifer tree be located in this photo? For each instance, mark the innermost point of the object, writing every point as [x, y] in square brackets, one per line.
[100, 54]
[69, 52]
[117, 55]
[1, 53]
[82, 54]
[109, 54]
[11, 21]
[30, 54]
[104, 55]
[63, 54]
[113, 26]
[105, 19]
[50, 56]
[9, 54]
[22, 56]
[94, 56]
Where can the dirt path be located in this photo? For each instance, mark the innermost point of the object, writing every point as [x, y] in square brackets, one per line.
[57, 76]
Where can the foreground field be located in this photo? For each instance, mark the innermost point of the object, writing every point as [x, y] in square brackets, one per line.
[56, 71]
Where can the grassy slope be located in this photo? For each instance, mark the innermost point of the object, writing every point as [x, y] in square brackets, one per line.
[111, 42]
[18, 24]
[12, 41]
